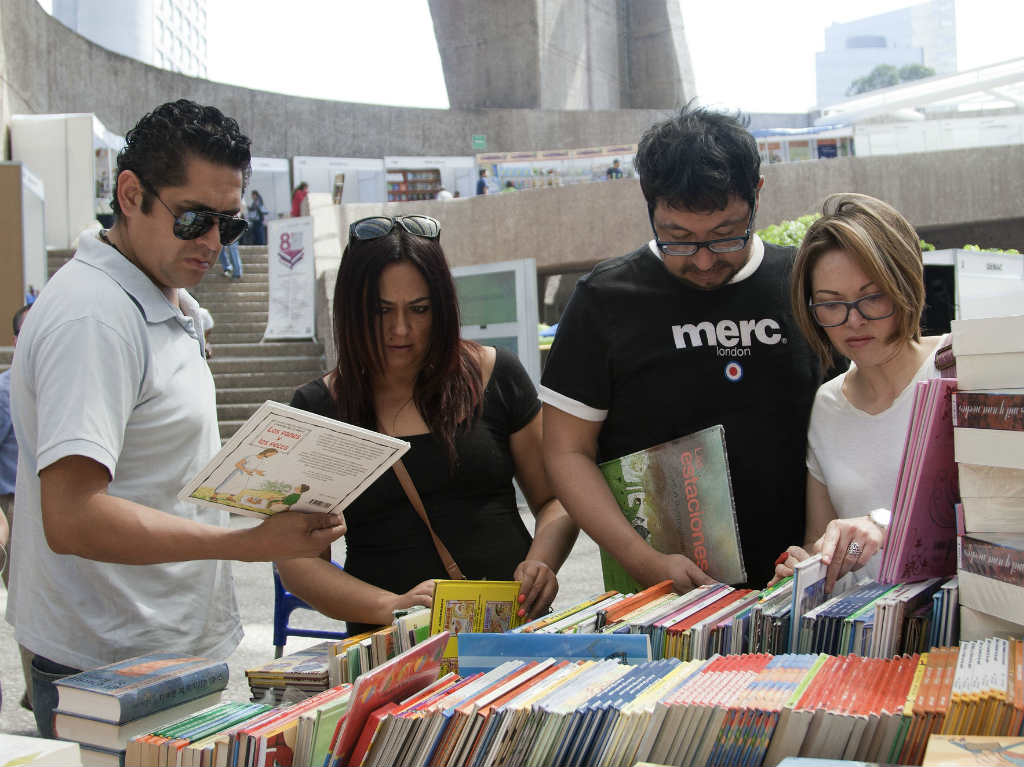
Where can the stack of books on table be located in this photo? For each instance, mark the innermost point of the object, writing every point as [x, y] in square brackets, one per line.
[752, 709]
[459, 606]
[794, 615]
[748, 709]
[988, 412]
[104, 708]
[303, 671]
[314, 731]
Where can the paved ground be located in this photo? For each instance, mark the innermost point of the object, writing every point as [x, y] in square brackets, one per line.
[580, 578]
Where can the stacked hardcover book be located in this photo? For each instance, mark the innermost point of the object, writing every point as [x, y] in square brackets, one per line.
[104, 708]
[988, 413]
[305, 671]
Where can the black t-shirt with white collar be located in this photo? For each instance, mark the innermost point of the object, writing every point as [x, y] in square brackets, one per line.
[655, 359]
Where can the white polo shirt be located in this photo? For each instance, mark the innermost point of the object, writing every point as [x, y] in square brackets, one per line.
[106, 367]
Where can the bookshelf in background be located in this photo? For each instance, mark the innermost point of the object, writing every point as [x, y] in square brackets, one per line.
[413, 184]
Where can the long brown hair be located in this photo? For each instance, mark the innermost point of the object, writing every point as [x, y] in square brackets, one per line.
[449, 388]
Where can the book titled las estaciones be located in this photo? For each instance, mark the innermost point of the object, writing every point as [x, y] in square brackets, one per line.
[136, 687]
[678, 497]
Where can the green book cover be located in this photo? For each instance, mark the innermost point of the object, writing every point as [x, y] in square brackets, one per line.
[678, 497]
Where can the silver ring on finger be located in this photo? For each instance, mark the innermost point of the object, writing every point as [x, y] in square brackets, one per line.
[854, 550]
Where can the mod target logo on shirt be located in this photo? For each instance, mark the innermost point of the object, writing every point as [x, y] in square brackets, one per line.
[733, 372]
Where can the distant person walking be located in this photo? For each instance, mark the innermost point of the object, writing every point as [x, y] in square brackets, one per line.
[257, 213]
[230, 261]
[297, 197]
[614, 171]
[481, 183]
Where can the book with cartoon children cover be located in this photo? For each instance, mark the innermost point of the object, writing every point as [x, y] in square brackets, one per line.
[482, 607]
[678, 497]
[286, 459]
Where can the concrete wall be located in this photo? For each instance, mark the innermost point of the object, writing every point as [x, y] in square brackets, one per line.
[577, 226]
[563, 54]
[46, 68]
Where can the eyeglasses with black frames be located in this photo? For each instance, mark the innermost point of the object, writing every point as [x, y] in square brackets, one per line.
[195, 223]
[381, 226]
[720, 245]
[831, 314]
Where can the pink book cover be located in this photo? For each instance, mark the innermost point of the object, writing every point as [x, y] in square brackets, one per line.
[910, 467]
[924, 518]
[910, 442]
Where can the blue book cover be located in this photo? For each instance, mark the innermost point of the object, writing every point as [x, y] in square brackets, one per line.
[483, 652]
[137, 687]
[598, 728]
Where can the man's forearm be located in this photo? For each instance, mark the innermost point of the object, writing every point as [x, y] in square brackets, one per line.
[106, 528]
[583, 491]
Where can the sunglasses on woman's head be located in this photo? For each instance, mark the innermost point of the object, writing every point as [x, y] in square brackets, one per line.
[195, 223]
[381, 226]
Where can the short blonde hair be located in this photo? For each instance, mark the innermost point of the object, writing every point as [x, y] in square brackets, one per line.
[884, 245]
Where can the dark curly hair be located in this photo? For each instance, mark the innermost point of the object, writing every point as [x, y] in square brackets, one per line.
[157, 147]
[697, 160]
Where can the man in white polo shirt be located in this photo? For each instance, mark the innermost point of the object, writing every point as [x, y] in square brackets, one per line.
[114, 410]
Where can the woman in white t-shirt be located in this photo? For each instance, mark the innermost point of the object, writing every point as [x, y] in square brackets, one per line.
[858, 291]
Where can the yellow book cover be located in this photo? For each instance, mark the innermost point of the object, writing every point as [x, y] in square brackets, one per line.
[915, 685]
[489, 607]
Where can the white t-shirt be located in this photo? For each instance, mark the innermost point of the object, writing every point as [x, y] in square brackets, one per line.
[857, 455]
[109, 369]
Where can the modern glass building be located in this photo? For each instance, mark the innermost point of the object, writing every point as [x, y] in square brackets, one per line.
[170, 34]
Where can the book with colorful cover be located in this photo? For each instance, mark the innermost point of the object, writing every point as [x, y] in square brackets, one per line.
[486, 607]
[678, 497]
[286, 459]
[136, 687]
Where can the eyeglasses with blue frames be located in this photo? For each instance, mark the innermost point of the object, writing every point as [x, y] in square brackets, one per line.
[381, 226]
[832, 314]
[720, 245]
[195, 223]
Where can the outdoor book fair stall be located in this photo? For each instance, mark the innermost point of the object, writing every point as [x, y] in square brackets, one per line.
[555, 167]
[270, 178]
[74, 156]
[924, 665]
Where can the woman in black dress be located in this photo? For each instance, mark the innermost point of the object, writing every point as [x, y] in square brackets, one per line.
[472, 416]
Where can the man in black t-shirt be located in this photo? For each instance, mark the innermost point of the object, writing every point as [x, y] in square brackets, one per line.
[690, 330]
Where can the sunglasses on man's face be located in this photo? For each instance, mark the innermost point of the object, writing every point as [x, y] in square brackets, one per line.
[381, 226]
[195, 223]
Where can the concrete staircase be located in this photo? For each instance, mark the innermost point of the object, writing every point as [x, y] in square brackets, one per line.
[245, 371]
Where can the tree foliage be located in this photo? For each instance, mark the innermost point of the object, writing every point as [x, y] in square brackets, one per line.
[886, 75]
[791, 233]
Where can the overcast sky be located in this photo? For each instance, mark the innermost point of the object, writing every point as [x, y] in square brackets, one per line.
[756, 56]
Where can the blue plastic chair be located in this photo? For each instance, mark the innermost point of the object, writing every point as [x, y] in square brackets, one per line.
[284, 603]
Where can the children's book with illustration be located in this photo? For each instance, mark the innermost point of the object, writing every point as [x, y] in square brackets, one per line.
[285, 459]
[487, 607]
[678, 497]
